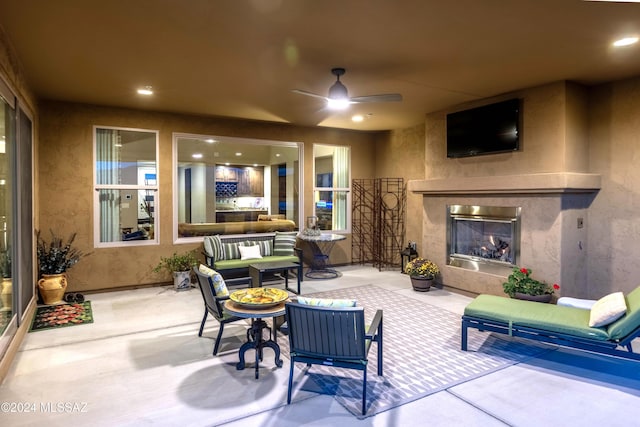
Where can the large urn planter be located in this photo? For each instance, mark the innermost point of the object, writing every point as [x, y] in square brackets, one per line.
[537, 298]
[52, 288]
[421, 283]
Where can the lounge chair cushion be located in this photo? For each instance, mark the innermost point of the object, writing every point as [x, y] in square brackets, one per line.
[549, 317]
[607, 310]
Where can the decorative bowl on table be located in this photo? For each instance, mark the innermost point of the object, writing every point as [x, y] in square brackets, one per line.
[258, 298]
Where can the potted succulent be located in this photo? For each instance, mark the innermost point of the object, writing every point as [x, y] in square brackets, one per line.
[521, 285]
[55, 257]
[422, 273]
[179, 265]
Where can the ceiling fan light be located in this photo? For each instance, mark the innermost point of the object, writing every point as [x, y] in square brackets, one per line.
[337, 104]
[338, 91]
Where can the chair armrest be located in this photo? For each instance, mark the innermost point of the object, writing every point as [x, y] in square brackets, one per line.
[375, 329]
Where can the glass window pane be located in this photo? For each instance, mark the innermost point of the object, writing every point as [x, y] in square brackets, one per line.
[7, 252]
[118, 153]
[222, 180]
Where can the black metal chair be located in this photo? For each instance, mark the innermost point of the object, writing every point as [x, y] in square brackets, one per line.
[333, 336]
[213, 306]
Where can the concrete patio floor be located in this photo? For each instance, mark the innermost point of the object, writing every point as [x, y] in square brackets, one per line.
[142, 363]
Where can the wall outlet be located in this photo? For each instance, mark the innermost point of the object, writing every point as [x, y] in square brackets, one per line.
[580, 222]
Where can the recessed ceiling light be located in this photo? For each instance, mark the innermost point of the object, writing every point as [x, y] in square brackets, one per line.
[357, 118]
[197, 155]
[210, 140]
[147, 90]
[238, 154]
[625, 41]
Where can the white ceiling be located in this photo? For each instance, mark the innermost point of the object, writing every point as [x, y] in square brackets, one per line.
[242, 58]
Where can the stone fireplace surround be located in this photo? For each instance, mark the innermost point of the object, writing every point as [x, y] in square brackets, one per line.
[552, 244]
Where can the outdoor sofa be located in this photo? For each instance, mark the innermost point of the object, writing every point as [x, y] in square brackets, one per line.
[224, 254]
[561, 325]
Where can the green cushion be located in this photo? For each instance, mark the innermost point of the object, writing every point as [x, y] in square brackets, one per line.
[549, 317]
[630, 321]
[243, 263]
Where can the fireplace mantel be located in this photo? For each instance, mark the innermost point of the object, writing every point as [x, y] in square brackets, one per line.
[541, 183]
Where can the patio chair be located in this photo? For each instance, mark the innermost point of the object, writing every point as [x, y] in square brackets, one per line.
[332, 336]
[213, 306]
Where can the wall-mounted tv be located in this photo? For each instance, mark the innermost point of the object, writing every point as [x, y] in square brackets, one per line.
[493, 128]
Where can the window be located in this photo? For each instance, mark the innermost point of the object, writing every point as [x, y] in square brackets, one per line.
[331, 194]
[223, 180]
[126, 185]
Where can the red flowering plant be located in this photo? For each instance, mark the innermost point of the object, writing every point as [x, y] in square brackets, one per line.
[520, 281]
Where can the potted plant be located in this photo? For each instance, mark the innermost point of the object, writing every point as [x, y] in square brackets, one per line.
[54, 259]
[179, 265]
[521, 285]
[422, 273]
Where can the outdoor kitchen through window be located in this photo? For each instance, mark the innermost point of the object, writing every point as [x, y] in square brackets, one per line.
[483, 237]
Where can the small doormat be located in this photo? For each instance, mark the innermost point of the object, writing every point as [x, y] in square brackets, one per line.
[62, 315]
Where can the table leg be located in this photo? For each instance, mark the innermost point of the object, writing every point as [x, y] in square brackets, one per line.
[258, 343]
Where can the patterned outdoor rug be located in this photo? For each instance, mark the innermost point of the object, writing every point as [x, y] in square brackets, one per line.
[62, 315]
[421, 354]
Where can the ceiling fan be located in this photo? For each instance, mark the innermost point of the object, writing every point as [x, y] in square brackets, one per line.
[339, 96]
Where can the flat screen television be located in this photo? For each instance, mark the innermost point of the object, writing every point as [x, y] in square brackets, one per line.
[493, 128]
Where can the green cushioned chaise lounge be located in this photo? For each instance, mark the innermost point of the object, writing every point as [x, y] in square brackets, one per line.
[561, 325]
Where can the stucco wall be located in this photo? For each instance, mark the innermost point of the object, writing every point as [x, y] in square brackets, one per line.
[66, 188]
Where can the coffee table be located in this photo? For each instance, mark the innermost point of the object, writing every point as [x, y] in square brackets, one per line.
[255, 339]
[258, 270]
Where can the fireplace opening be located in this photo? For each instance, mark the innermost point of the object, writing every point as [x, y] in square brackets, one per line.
[483, 238]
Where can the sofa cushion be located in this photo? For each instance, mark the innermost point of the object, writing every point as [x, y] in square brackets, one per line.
[219, 286]
[607, 310]
[229, 264]
[213, 247]
[284, 242]
[249, 252]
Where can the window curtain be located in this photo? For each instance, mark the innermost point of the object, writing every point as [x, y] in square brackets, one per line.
[108, 167]
[341, 180]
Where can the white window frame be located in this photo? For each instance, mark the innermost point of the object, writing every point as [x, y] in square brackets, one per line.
[347, 190]
[134, 188]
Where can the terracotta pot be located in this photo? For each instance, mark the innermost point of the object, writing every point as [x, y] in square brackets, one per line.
[421, 284]
[52, 288]
[536, 298]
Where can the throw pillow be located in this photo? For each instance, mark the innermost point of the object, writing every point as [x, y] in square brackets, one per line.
[284, 243]
[607, 310]
[266, 247]
[219, 286]
[213, 247]
[231, 250]
[327, 302]
[249, 252]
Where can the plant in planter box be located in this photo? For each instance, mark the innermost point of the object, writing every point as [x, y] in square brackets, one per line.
[179, 265]
[520, 282]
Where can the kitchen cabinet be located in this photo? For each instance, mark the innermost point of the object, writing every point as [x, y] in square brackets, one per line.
[250, 180]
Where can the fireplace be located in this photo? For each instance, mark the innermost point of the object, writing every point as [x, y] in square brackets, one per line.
[483, 238]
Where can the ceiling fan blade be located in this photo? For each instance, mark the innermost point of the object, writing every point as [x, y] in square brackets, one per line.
[304, 92]
[388, 97]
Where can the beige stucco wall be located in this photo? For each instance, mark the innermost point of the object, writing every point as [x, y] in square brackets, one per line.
[66, 168]
[400, 154]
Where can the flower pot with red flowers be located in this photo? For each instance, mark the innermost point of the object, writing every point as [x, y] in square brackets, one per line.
[521, 285]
